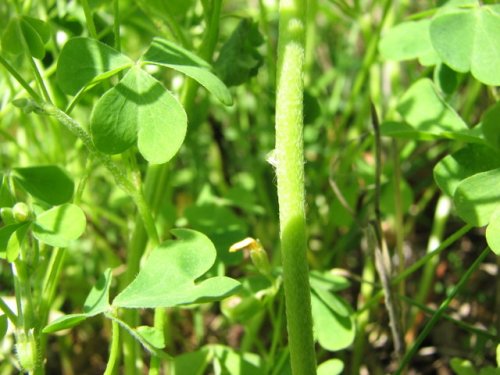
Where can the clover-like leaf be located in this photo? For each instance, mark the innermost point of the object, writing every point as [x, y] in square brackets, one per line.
[491, 125]
[477, 197]
[329, 310]
[139, 108]
[97, 302]
[48, 183]
[11, 237]
[60, 225]
[85, 61]
[332, 366]
[426, 111]
[409, 40]
[239, 58]
[35, 34]
[466, 162]
[165, 53]
[168, 276]
[466, 39]
[493, 231]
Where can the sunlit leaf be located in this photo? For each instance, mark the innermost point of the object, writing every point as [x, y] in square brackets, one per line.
[409, 40]
[60, 225]
[168, 276]
[426, 111]
[466, 39]
[472, 159]
[331, 367]
[83, 61]
[139, 108]
[165, 53]
[477, 197]
[493, 231]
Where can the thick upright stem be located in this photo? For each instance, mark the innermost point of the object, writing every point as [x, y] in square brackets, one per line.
[290, 179]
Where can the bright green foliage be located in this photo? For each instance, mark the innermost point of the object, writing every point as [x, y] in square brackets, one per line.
[239, 59]
[34, 32]
[426, 111]
[466, 39]
[85, 61]
[493, 231]
[472, 159]
[152, 336]
[224, 358]
[60, 225]
[491, 126]
[168, 276]
[48, 183]
[3, 325]
[10, 243]
[167, 54]
[409, 40]
[331, 367]
[97, 302]
[139, 108]
[331, 311]
[478, 196]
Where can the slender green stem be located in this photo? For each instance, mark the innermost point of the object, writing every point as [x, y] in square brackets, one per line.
[21, 80]
[89, 19]
[114, 351]
[437, 315]
[290, 179]
[7, 311]
[116, 24]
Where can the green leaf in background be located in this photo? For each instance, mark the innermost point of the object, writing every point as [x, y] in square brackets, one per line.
[426, 111]
[230, 361]
[11, 237]
[493, 231]
[407, 41]
[193, 363]
[491, 125]
[332, 320]
[446, 79]
[462, 366]
[139, 108]
[239, 58]
[167, 54]
[467, 40]
[6, 198]
[35, 33]
[331, 367]
[97, 302]
[60, 225]
[48, 183]
[221, 225]
[477, 197]
[468, 161]
[3, 325]
[153, 336]
[84, 61]
[405, 131]
[168, 276]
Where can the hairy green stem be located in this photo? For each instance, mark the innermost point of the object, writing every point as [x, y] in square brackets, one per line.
[290, 179]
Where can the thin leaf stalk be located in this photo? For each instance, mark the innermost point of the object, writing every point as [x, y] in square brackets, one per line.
[290, 180]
